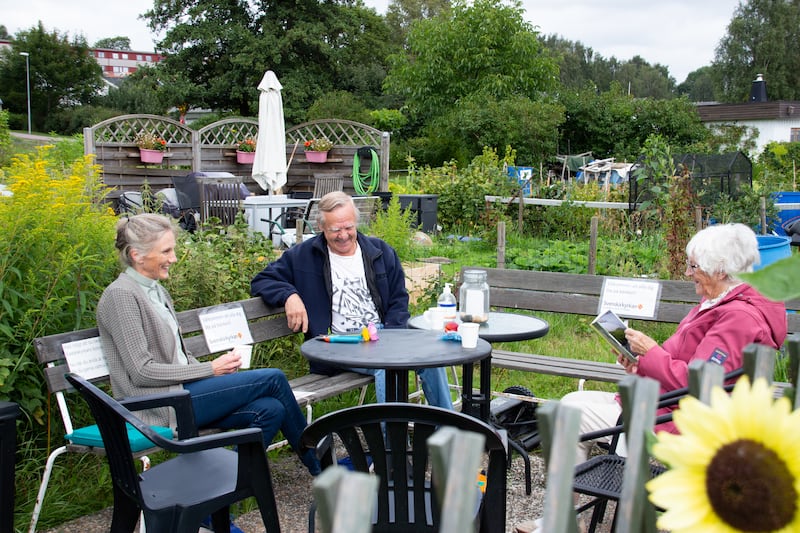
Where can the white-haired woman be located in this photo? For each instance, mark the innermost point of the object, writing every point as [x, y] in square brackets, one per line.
[730, 315]
[141, 340]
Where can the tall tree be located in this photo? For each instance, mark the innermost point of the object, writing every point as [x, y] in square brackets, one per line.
[644, 80]
[114, 43]
[401, 14]
[225, 48]
[615, 124]
[480, 48]
[62, 73]
[700, 85]
[763, 38]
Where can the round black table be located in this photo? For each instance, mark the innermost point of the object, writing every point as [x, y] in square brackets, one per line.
[398, 351]
[501, 327]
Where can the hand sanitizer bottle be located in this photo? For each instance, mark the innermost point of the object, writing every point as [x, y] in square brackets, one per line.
[447, 301]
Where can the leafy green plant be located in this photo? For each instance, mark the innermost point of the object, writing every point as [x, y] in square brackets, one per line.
[461, 192]
[395, 226]
[216, 263]
[56, 255]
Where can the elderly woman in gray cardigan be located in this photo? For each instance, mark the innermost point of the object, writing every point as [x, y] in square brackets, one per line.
[141, 340]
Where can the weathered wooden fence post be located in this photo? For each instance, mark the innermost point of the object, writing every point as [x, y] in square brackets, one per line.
[335, 490]
[593, 244]
[559, 426]
[455, 457]
[635, 513]
[501, 244]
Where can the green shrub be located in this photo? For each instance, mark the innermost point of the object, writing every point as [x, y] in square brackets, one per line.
[216, 263]
[394, 225]
[461, 204]
[5, 138]
[56, 244]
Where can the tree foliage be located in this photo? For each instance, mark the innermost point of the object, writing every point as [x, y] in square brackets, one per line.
[313, 47]
[700, 85]
[615, 124]
[401, 14]
[484, 48]
[114, 43]
[580, 67]
[762, 38]
[62, 73]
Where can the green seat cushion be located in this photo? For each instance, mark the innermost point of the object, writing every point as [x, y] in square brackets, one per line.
[90, 436]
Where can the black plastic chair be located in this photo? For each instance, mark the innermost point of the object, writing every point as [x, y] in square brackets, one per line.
[601, 475]
[204, 478]
[392, 438]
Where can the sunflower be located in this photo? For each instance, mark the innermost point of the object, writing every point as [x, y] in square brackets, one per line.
[734, 467]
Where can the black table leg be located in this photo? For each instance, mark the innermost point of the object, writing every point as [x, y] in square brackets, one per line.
[486, 387]
[396, 385]
[468, 406]
[473, 404]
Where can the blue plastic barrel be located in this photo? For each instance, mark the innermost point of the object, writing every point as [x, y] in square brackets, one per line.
[772, 248]
[786, 215]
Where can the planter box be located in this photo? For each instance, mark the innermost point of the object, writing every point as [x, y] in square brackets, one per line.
[151, 156]
[316, 157]
[245, 158]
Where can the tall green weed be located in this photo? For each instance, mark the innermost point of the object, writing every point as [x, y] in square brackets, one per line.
[395, 226]
[56, 254]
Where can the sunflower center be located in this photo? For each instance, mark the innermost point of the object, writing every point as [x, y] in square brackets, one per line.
[750, 487]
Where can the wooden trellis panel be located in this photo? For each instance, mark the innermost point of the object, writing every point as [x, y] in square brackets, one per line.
[213, 149]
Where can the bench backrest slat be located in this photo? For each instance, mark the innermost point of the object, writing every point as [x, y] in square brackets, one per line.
[561, 292]
[265, 323]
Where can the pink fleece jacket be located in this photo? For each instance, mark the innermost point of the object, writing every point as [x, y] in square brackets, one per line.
[717, 334]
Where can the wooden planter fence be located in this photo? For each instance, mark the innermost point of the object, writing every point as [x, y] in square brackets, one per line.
[213, 149]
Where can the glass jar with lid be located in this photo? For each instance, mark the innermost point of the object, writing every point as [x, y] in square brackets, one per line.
[473, 301]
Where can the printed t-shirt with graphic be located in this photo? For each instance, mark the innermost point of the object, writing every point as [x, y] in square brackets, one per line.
[352, 306]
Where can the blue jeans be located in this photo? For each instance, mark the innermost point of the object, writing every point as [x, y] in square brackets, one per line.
[434, 385]
[260, 398]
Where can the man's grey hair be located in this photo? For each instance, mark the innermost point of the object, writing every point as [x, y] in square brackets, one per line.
[724, 249]
[331, 202]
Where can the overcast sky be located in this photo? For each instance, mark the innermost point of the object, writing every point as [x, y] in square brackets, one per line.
[681, 34]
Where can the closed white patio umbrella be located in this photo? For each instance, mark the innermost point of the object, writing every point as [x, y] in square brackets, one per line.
[269, 166]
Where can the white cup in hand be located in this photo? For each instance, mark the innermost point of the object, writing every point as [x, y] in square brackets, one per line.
[245, 352]
[469, 334]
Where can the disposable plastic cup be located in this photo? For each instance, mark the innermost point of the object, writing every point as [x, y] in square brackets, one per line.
[435, 318]
[245, 351]
[469, 334]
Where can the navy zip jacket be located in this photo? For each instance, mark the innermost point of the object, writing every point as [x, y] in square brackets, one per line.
[305, 269]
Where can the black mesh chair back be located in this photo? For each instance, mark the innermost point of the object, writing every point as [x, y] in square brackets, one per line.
[601, 476]
[204, 478]
[391, 440]
[188, 190]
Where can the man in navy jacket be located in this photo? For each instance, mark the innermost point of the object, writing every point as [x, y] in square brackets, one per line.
[339, 281]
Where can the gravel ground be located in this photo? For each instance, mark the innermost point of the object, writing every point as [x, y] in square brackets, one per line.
[292, 487]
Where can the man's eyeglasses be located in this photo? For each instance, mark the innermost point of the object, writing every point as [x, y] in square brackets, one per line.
[692, 267]
[335, 229]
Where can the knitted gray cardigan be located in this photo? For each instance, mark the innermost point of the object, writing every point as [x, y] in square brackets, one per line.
[141, 349]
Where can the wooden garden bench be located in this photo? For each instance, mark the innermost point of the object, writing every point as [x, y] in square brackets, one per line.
[579, 294]
[265, 324]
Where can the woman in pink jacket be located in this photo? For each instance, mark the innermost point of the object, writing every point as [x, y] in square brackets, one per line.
[730, 315]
